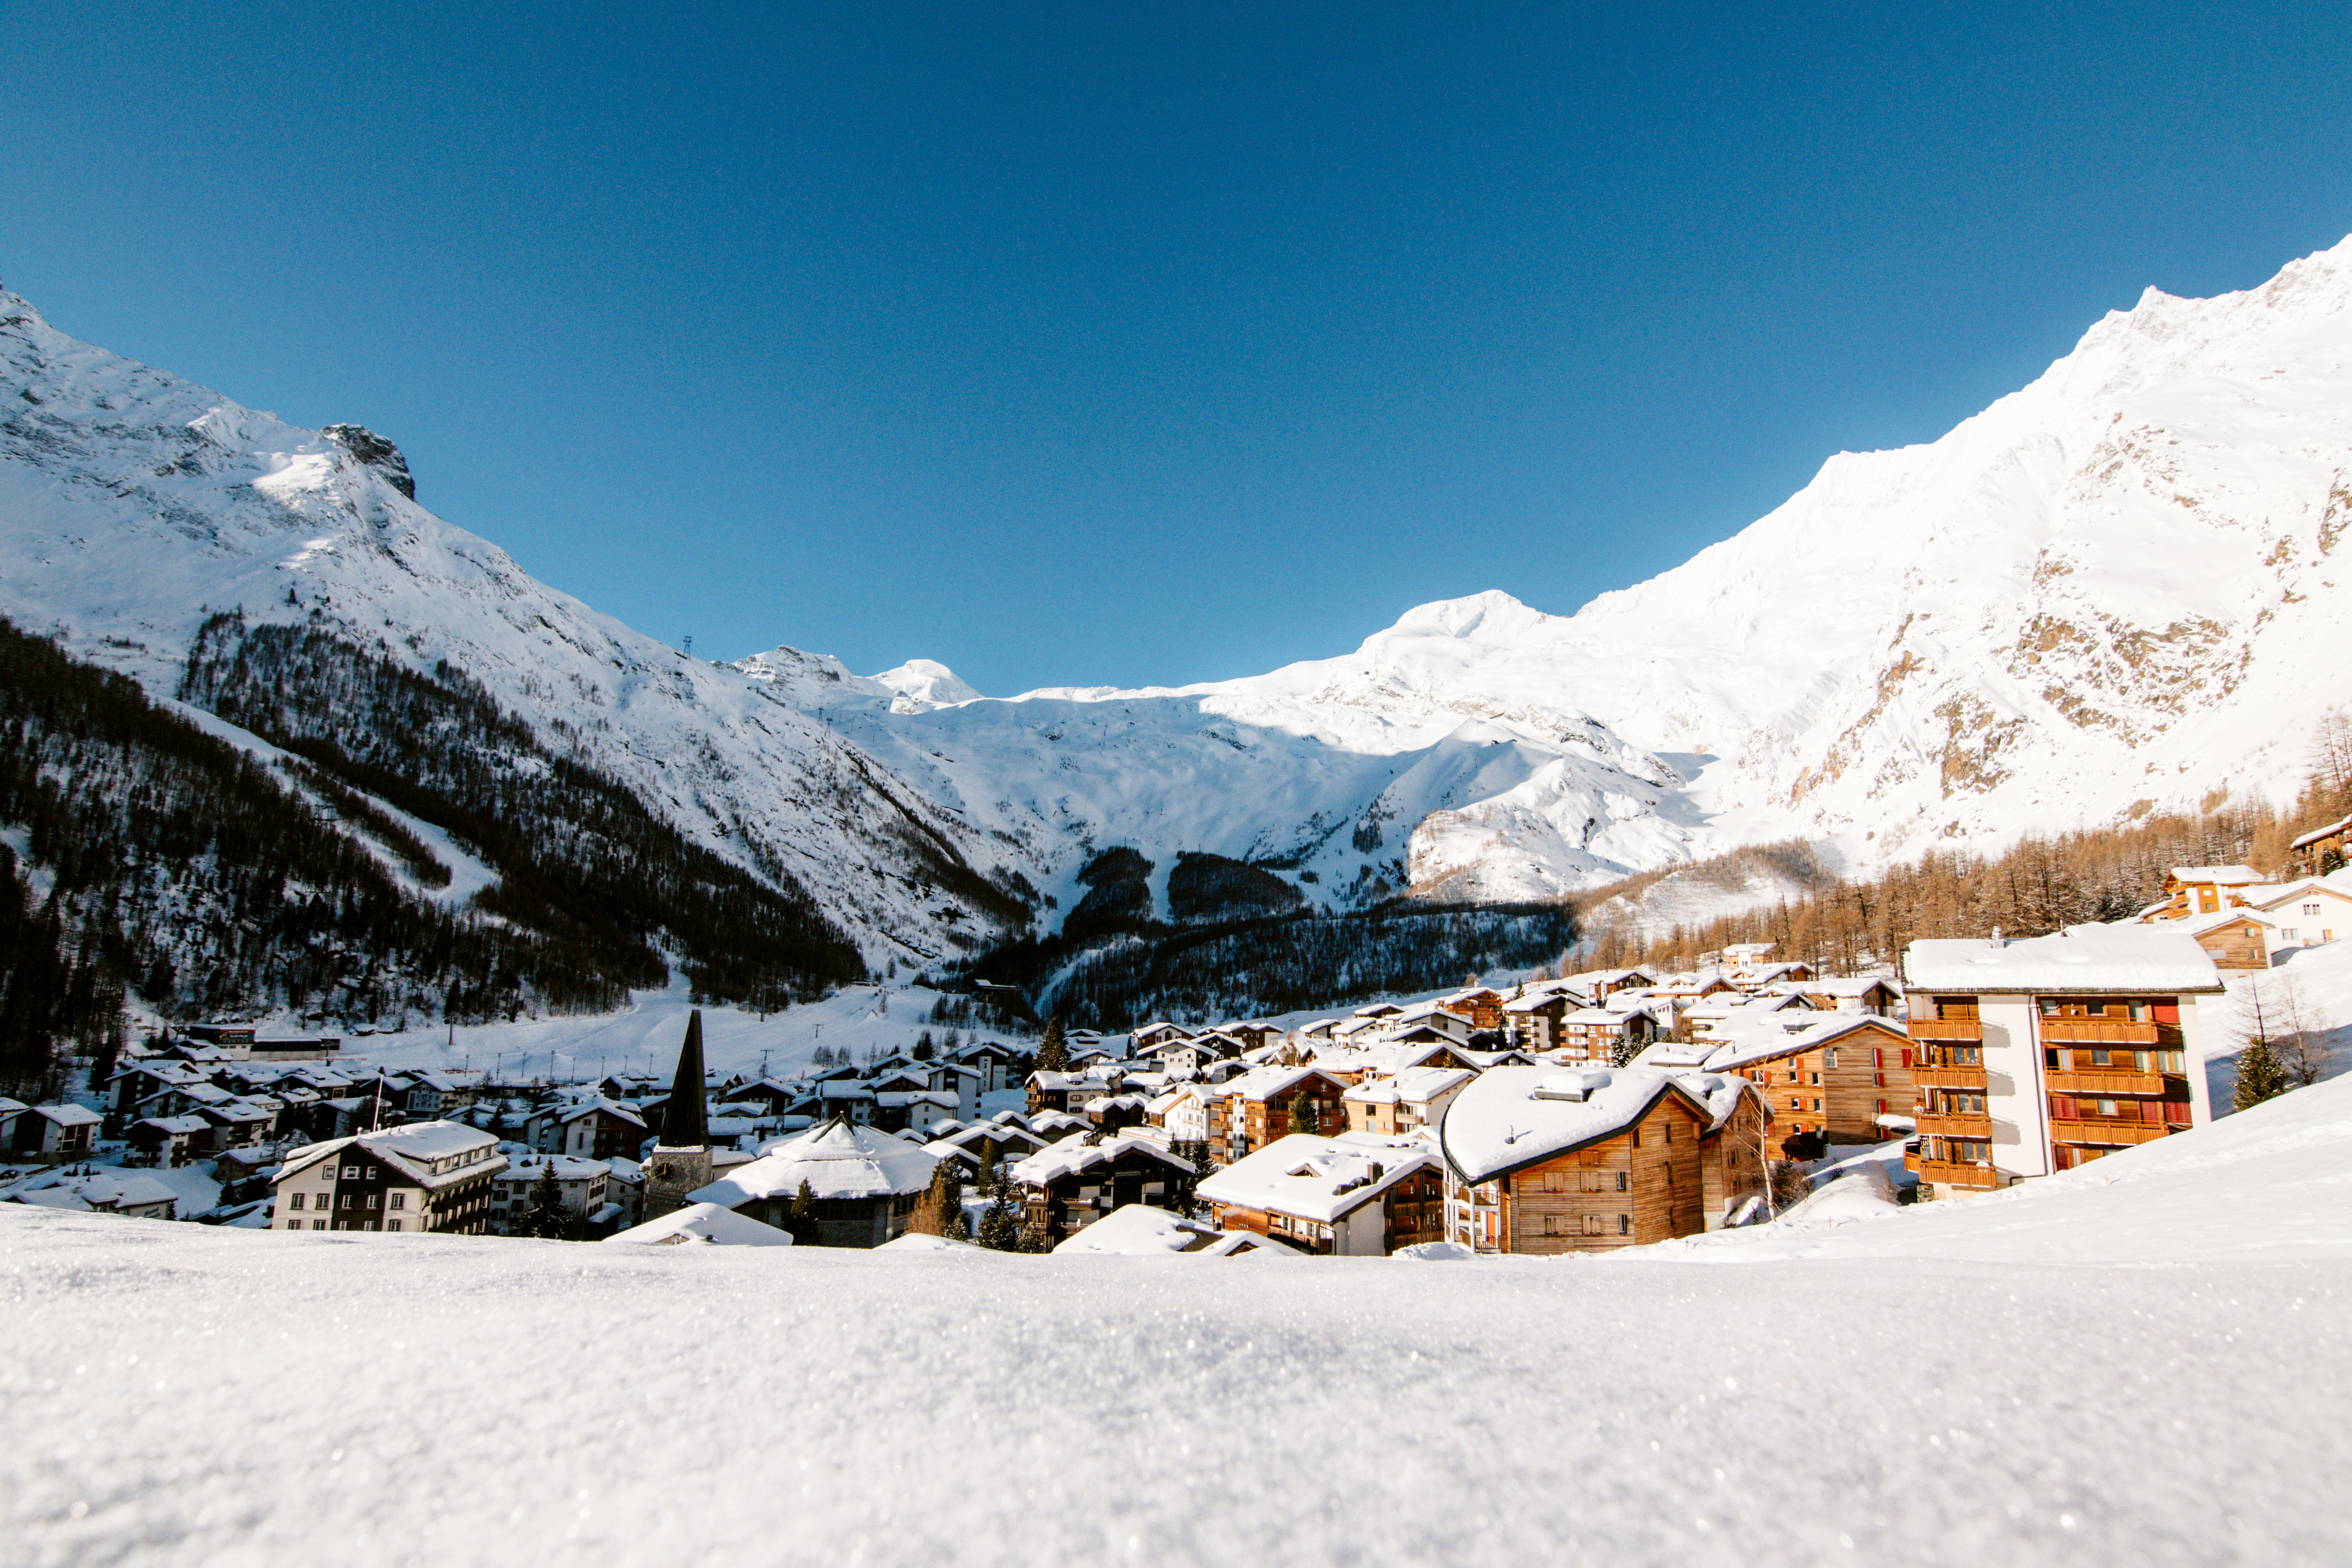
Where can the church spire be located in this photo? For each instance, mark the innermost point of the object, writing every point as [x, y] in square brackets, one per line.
[685, 1124]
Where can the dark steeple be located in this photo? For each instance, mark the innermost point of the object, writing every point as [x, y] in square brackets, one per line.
[685, 1124]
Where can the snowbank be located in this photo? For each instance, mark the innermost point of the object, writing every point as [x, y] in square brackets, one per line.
[1945, 1385]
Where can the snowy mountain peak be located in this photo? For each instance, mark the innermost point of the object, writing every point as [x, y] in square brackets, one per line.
[925, 680]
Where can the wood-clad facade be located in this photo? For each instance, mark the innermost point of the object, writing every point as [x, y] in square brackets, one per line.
[1835, 1091]
[1645, 1182]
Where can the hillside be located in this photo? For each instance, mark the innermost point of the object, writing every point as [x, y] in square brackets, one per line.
[1946, 1384]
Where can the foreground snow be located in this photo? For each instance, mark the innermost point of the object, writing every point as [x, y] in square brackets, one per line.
[2143, 1368]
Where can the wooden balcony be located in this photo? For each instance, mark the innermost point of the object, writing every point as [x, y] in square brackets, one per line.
[1951, 1173]
[1955, 1124]
[1970, 1029]
[2098, 1132]
[1948, 1078]
[2097, 1032]
[2103, 1082]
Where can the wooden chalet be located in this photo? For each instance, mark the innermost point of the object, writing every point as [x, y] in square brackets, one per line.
[1262, 1105]
[1836, 1079]
[1547, 1160]
[1481, 1004]
[2322, 849]
[1353, 1197]
[1066, 1186]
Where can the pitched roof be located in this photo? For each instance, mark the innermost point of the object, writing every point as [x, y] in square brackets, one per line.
[1307, 1176]
[1073, 1155]
[2224, 876]
[838, 1160]
[1515, 1117]
[702, 1224]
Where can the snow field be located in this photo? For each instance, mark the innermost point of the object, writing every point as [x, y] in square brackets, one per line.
[2145, 1368]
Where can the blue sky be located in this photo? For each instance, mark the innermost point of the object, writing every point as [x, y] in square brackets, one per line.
[1123, 344]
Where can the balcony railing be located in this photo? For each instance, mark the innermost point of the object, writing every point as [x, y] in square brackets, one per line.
[2096, 1032]
[1948, 1078]
[1954, 1173]
[1947, 1028]
[1955, 1124]
[2101, 1082]
[2103, 1131]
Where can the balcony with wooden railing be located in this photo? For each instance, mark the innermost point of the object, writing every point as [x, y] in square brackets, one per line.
[1953, 1172]
[2097, 1032]
[2108, 1131]
[2103, 1083]
[1936, 1076]
[1970, 1029]
[1954, 1123]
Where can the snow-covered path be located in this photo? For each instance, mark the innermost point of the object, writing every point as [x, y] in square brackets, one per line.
[1964, 1386]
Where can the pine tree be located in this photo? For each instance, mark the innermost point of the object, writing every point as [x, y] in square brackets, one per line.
[546, 1218]
[800, 1219]
[1000, 1226]
[923, 1047]
[1053, 1056]
[2260, 1074]
[1302, 1113]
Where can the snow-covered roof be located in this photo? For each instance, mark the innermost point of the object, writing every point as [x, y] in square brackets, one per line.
[2221, 876]
[566, 1168]
[1307, 1176]
[1514, 1117]
[68, 1115]
[2081, 958]
[838, 1160]
[177, 1126]
[1074, 1153]
[414, 1151]
[702, 1224]
[608, 1107]
[1269, 1082]
[2198, 925]
[1413, 1086]
[1141, 1230]
[2287, 892]
[1741, 1046]
[2317, 834]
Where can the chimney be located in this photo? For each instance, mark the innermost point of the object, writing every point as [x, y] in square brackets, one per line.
[1997, 940]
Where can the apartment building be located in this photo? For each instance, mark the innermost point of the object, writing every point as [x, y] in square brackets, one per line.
[2033, 1056]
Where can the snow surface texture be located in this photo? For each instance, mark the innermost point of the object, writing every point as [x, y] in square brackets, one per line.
[1945, 1384]
[2116, 586]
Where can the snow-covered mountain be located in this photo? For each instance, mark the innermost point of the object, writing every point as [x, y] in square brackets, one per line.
[133, 504]
[2112, 590]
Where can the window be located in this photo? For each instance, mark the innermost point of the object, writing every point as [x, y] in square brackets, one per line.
[2106, 1107]
[1592, 1224]
[1623, 1181]
[1817, 1105]
[372, 1198]
[1812, 1078]
[1550, 1225]
[399, 1200]
[351, 1172]
[1795, 1103]
[347, 1200]
[2311, 908]
[318, 1224]
[1624, 1225]
[393, 1225]
[295, 1202]
[2100, 1058]
[1828, 1060]
[2286, 933]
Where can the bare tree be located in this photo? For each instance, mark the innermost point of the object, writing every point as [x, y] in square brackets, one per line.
[2298, 1027]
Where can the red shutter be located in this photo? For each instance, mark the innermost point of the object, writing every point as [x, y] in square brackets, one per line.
[2151, 1111]
[1907, 1056]
[2176, 1113]
[2062, 1107]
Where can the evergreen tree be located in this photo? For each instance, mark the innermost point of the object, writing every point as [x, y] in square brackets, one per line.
[800, 1219]
[923, 1047]
[1053, 1056]
[1000, 1226]
[2260, 1074]
[987, 1162]
[546, 1218]
[1302, 1113]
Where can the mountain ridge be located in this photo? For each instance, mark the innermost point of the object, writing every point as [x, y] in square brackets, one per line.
[2112, 586]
